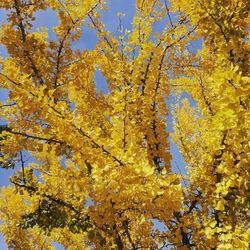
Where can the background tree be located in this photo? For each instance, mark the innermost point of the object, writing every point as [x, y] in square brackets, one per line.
[101, 171]
[214, 136]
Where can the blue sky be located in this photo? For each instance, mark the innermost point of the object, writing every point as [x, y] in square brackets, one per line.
[88, 40]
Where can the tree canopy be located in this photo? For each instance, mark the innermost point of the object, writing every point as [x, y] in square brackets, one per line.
[100, 173]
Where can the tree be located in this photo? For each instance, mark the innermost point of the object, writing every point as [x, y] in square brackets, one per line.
[101, 172]
[214, 136]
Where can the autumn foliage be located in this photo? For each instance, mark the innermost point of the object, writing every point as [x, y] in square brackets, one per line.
[100, 174]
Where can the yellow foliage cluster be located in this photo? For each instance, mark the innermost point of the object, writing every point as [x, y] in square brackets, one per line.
[101, 172]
